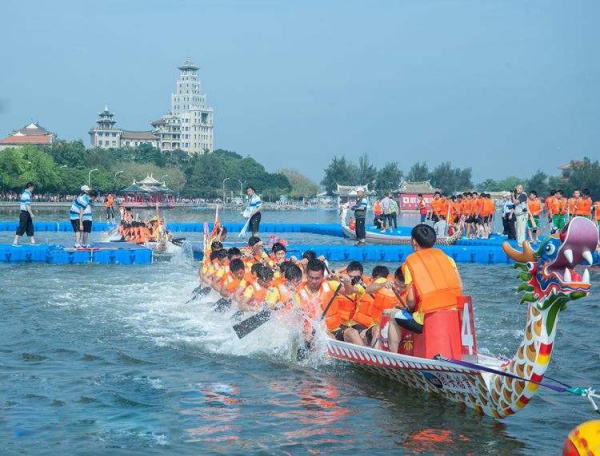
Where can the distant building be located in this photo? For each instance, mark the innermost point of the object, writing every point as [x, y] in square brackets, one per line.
[106, 135]
[408, 191]
[189, 124]
[568, 168]
[31, 134]
[347, 193]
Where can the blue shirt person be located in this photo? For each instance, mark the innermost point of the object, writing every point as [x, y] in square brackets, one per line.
[25, 215]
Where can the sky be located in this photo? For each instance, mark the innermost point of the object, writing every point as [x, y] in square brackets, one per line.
[503, 87]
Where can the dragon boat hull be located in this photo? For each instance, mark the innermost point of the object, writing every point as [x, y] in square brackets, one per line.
[456, 383]
[395, 239]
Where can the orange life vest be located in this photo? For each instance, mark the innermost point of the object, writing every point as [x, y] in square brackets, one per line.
[548, 204]
[534, 206]
[584, 207]
[230, 282]
[437, 206]
[323, 296]
[110, 201]
[559, 206]
[377, 208]
[362, 315]
[597, 210]
[259, 293]
[490, 206]
[572, 203]
[435, 279]
[384, 298]
[346, 307]
[467, 207]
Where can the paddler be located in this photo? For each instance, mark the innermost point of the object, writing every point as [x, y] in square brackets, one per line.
[433, 284]
[386, 292]
[255, 293]
[282, 295]
[584, 205]
[347, 302]
[231, 280]
[559, 210]
[255, 252]
[314, 296]
[534, 209]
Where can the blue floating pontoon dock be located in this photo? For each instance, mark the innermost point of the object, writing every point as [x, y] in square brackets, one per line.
[483, 251]
[104, 253]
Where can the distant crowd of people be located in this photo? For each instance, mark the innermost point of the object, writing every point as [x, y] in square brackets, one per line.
[473, 213]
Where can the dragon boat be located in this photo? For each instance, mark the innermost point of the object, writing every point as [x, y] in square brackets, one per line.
[444, 359]
[394, 237]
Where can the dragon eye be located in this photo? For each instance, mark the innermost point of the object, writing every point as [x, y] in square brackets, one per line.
[550, 249]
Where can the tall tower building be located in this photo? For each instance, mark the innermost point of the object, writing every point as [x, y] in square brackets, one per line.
[189, 124]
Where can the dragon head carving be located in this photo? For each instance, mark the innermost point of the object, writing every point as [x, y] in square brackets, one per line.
[549, 274]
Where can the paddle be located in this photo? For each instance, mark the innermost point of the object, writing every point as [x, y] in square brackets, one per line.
[302, 353]
[178, 241]
[221, 305]
[199, 292]
[244, 229]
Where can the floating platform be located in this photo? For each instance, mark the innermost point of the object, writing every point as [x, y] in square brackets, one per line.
[101, 253]
[473, 253]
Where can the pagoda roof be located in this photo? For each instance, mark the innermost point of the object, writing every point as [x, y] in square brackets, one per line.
[138, 135]
[133, 188]
[149, 180]
[158, 122]
[33, 129]
[350, 190]
[417, 187]
[188, 65]
[19, 139]
[572, 164]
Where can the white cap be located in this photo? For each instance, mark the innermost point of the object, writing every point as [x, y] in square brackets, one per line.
[360, 189]
[85, 188]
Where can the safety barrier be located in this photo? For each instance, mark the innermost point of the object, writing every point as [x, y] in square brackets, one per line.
[124, 253]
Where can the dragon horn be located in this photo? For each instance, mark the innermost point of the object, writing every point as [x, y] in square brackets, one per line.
[524, 256]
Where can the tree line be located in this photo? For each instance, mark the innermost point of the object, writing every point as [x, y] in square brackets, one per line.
[582, 174]
[66, 165]
[388, 178]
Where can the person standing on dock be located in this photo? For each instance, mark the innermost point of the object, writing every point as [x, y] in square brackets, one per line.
[253, 210]
[520, 201]
[26, 216]
[76, 214]
[110, 208]
[360, 215]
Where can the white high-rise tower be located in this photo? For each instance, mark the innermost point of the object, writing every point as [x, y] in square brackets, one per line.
[189, 124]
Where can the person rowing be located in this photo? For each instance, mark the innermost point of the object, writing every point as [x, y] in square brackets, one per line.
[434, 284]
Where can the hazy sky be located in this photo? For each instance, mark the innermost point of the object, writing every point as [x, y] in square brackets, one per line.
[505, 87]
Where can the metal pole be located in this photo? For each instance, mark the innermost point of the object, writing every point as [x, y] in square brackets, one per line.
[90, 176]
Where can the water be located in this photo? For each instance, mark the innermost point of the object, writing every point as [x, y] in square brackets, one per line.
[112, 359]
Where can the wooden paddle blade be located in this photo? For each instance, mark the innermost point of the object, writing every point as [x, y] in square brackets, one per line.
[245, 327]
[203, 292]
[222, 305]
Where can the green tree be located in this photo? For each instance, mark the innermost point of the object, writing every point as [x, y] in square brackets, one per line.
[388, 178]
[419, 172]
[585, 174]
[366, 172]
[29, 164]
[340, 171]
[539, 183]
[302, 186]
